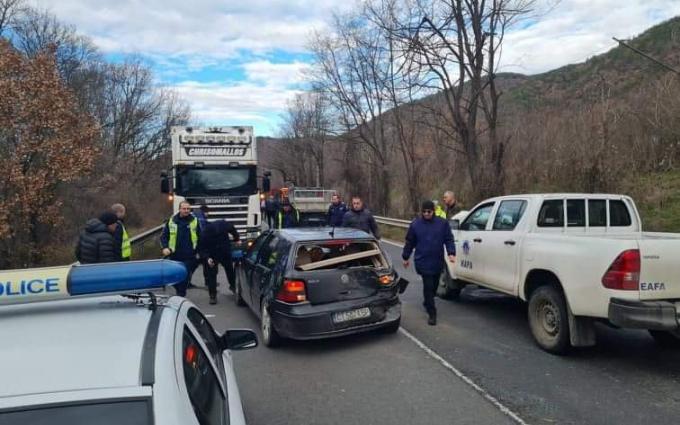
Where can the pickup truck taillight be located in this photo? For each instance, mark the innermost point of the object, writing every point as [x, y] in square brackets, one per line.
[292, 291]
[624, 273]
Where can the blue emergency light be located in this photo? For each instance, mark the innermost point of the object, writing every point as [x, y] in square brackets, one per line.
[52, 283]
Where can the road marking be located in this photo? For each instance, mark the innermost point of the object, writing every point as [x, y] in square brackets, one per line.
[493, 400]
[400, 245]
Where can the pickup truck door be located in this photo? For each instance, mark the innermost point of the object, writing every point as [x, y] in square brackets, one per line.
[470, 244]
[501, 246]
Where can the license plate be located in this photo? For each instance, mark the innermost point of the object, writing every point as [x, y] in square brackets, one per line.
[346, 316]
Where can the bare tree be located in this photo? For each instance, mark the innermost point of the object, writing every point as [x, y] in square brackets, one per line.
[454, 47]
[9, 9]
[350, 68]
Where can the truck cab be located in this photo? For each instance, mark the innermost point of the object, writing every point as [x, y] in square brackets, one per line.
[217, 167]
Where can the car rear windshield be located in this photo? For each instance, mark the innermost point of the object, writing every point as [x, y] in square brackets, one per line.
[336, 254]
[134, 412]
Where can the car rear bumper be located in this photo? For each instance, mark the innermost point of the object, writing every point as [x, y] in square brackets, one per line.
[316, 321]
[656, 315]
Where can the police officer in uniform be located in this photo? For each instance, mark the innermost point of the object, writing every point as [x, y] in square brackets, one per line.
[123, 245]
[179, 242]
[215, 249]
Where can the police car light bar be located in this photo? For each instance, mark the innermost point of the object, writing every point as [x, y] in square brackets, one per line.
[54, 283]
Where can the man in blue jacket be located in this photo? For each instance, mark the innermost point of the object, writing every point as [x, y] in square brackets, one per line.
[427, 234]
[336, 211]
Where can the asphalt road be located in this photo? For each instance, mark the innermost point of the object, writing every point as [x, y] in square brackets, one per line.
[389, 379]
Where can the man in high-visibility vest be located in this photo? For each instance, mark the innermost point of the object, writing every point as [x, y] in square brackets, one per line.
[123, 245]
[179, 242]
[288, 216]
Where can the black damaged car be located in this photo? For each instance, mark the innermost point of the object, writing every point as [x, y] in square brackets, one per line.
[318, 283]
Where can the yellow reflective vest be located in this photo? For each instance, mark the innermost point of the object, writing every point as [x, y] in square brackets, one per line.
[439, 212]
[126, 246]
[172, 229]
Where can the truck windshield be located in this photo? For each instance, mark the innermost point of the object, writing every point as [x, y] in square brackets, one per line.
[216, 181]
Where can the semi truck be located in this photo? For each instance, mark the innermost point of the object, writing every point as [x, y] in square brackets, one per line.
[217, 167]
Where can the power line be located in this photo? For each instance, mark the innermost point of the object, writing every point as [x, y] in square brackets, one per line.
[668, 67]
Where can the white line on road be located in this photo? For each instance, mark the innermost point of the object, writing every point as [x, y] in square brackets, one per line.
[493, 400]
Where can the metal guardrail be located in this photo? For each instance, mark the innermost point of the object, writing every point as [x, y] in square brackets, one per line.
[396, 222]
[138, 240]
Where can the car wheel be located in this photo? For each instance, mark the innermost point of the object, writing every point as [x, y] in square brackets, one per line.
[548, 319]
[392, 327]
[669, 339]
[270, 337]
[237, 293]
[449, 289]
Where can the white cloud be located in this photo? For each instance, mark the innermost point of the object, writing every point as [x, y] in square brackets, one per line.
[198, 27]
[578, 29]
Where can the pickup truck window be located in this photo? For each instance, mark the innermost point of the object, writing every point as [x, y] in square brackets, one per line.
[478, 218]
[551, 213]
[509, 214]
[618, 214]
[597, 213]
[576, 213]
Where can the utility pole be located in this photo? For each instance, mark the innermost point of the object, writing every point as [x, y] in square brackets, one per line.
[641, 53]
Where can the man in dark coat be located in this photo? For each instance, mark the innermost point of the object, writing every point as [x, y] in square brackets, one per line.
[179, 242]
[271, 209]
[427, 235]
[336, 211]
[360, 218]
[215, 249]
[96, 243]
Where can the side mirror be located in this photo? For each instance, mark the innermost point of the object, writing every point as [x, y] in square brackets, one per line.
[165, 183]
[238, 339]
[464, 226]
[455, 224]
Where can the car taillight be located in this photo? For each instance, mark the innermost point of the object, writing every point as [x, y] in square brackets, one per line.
[624, 273]
[385, 280]
[292, 291]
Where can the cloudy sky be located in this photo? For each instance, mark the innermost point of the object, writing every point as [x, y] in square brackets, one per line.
[238, 61]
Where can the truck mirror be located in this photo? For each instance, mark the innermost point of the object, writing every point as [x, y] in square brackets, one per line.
[266, 184]
[165, 184]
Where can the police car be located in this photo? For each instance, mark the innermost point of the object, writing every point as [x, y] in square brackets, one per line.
[89, 357]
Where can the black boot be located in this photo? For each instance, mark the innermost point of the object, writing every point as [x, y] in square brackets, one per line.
[213, 299]
[432, 320]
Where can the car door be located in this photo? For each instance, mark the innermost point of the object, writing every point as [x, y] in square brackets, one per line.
[501, 246]
[469, 243]
[247, 270]
[262, 271]
[200, 375]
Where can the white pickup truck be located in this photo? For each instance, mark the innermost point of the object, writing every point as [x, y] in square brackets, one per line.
[576, 259]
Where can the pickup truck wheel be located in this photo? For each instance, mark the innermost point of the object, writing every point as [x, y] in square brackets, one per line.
[449, 289]
[669, 339]
[548, 319]
[270, 337]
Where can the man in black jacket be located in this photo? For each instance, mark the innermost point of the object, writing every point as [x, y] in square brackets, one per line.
[96, 243]
[215, 249]
[360, 218]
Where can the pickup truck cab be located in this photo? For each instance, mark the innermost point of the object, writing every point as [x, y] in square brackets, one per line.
[576, 259]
